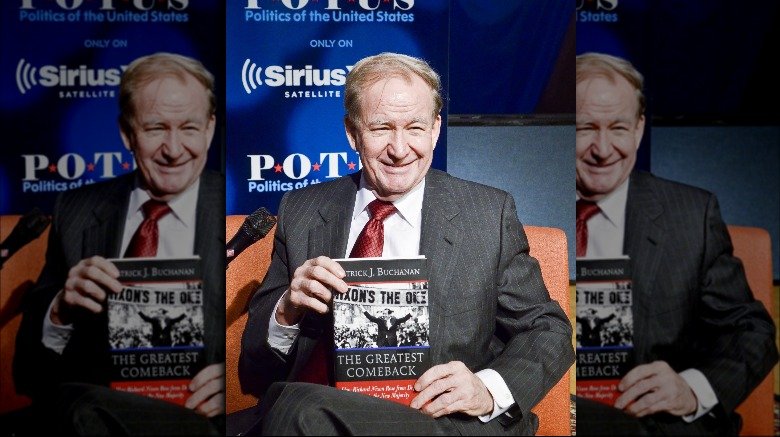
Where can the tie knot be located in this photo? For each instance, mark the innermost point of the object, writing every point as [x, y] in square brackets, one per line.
[380, 209]
[586, 209]
[155, 209]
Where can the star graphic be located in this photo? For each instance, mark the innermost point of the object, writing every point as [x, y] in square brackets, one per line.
[90, 167]
[126, 165]
[52, 168]
[278, 168]
[316, 166]
[351, 165]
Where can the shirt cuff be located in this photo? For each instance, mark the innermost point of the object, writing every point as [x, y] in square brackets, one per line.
[55, 337]
[705, 395]
[502, 397]
[281, 337]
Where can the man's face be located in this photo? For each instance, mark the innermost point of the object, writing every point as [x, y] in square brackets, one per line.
[608, 135]
[171, 134]
[396, 135]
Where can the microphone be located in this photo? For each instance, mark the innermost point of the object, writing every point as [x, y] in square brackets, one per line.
[27, 229]
[255, 227]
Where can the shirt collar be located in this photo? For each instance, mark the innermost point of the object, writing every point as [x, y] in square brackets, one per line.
[409, 206]
[613, 205]
[182, 206]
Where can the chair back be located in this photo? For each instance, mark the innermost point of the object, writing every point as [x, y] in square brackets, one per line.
[18, 275]
[242, 278]
[754, 247]
[548, 246]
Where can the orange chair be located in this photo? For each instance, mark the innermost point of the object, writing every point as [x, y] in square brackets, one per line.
[548, 246]
[18, 274]
[242, 278]
[246, 272]
[754, 247]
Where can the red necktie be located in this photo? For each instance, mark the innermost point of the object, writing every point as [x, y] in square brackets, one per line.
[585, 210]
[368, 244]
[372, 238]
[144, 241]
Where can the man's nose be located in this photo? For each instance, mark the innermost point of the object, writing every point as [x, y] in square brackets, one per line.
[398, 146]
[602, 144]
[172, 146]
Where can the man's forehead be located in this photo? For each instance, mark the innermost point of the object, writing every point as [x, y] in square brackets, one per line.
[606, 93]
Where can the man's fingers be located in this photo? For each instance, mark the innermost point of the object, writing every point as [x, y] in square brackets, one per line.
[206, 391]
[635, 375]
[433, 374]
[84, 288]
[214, 406]
[647, 404]
[430, 392]
[635, 391]
[208, 373]
[328, 272]
[78, 300]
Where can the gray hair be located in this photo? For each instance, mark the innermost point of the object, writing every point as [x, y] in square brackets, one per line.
[371, 69]
[599, 64]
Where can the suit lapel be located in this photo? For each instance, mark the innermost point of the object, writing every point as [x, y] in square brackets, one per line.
[644, 241]
[330, 236]
[103, 236]
[440, 238]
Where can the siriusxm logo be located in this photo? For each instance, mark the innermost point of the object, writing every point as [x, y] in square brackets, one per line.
[49, 76]
[253, 76]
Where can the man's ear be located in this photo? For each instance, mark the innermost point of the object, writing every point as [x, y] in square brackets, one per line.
[127, 140]
[210, 127]
[436, 130]
[640, 130]
[351, 131]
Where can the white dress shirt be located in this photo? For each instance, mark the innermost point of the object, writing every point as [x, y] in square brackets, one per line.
[606, 232]
[402, 239]
[176, 239]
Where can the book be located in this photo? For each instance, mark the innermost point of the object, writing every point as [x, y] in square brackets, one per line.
[381, 327]
[605, 327]
[155, 327]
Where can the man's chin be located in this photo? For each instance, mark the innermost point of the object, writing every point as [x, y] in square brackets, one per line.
[167, 190]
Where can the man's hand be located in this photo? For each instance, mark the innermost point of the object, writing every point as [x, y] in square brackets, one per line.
[309, 289]
[208, 391]
[451, 388]
[86, 287]
[655, 387]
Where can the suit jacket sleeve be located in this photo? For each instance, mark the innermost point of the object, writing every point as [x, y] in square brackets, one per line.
[259, 365]
[737, 334]
[31, 355]
[537, 334]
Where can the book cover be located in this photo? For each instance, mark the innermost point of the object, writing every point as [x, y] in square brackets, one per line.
[155, 327]
[605, 327]
[381, 327]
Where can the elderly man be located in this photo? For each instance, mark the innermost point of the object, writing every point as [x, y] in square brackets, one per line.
[498, 342]
[168, 207]
[701, 341]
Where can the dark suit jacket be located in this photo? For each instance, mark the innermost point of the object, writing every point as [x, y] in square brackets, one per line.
[90, 221]
[692, 305]
[488, 305]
